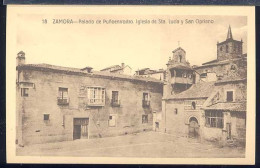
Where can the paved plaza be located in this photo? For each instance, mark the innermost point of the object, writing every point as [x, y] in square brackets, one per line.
[145, 144]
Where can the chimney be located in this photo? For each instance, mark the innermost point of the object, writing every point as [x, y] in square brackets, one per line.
[122, 65]
[20, 59]
[87, 69]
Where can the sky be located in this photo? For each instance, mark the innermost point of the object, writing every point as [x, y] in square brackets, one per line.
[139, 46]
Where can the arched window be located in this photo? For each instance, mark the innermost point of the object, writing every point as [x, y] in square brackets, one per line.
[193, 105]
[226, 48]
[180, 58]
[221, 49]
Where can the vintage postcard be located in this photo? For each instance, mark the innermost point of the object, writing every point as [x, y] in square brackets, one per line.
[131, 84]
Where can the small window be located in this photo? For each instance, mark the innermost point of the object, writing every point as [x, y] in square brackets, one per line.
[46, 117]
[226, 48]
[221, 48]
[144, 119]
[115, 98]
[203, 75]
[180, 58]
[193, 105]
[63, 98]
[112, 121]
[24, 92]
[184, 75]
[146, 96]
[146, 100]
[176, 111]
[233, 67]
[229, 96]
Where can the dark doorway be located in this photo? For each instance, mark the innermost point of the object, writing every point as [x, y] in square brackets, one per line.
[193, 128]
[80, 129]
[77, 132]
[156, 126]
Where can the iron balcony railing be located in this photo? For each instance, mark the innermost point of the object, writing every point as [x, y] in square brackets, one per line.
[146, 103]
[115, 103]
[62, 101]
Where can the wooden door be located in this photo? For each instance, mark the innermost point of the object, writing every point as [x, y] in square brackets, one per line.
[77, 132]
[80, 128]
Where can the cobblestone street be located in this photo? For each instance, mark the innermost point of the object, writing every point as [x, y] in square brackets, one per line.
[146, 144]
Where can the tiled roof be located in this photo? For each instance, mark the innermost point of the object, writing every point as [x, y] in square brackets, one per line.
[158, 71]
[198, 90]
[142, 69]
[217, 63]
[48, 67]
[178, 66]
[113, 66]
[226, 106]
[210, 62]
[230, 79]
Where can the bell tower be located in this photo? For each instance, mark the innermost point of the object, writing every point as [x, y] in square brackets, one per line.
[179, 73]
[230, 48]
[20, 59]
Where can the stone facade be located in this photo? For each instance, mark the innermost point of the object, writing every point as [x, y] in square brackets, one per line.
[43, 116]
[207, 102]
[230, 48]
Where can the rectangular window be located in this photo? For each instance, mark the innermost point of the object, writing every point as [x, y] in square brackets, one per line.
[46, 117]
[203, 75]
[24, 92]
[146, 100]
[214, 119]
[112, 121]
[96, 96]
[63, 98]
[229, 96]
[176, 111]
[144, 119]
[115, 98]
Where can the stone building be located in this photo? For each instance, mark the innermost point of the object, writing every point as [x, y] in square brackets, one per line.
[208, 101]
[58, 103]
[147, 72]
[123, 69]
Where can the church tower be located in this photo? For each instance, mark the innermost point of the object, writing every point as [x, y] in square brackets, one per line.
[179, 73]
[230, 48]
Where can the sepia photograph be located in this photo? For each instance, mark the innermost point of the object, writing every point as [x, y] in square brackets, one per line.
[131, 83]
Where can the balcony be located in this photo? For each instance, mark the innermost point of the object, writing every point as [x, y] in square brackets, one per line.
[181, 80]
[96, 102]
[115, 103]
[62, 101]
[146, 104]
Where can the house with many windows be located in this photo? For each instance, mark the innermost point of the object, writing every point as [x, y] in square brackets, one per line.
[59, 103]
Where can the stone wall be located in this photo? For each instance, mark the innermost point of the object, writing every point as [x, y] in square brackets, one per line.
[42, 100]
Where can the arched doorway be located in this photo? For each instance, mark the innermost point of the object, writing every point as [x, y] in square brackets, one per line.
[193, 128]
